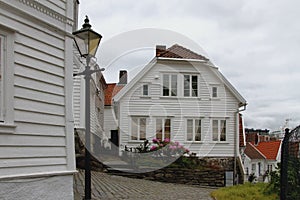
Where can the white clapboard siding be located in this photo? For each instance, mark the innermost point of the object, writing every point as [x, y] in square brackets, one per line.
[41, 141]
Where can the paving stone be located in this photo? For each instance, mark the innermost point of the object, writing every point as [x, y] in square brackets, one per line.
[105, 186]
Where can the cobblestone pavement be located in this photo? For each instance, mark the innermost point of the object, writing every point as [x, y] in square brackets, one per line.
[105, 186]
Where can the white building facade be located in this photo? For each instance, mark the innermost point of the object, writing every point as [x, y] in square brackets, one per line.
[37, 158]
[182, 96]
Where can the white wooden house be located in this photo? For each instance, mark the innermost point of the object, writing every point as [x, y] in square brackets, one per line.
[181, 95]
[37, 158]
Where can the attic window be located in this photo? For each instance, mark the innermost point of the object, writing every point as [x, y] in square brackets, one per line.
[145, 90]
[214, 92]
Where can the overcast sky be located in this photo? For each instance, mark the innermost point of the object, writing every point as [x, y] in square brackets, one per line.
[255, 44]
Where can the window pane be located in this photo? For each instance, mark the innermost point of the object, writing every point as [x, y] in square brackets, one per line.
[194, 86]
[223, 130]
[134, 128]
[143, 129]
[214, 92]
[159, 129]
[145, 90]
[189, 130]
[186, 85]
[215, 130]
[167, 128]
[174, 85]
[197, 130]
[166, 83]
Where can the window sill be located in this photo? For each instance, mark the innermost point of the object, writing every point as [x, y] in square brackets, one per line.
[7, 128]
[219, 142]
[194, 142]
[145, 97]
[215, 99]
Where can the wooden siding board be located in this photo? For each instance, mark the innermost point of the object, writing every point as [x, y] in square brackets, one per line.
[31, 162]
[38, 129]
[30, 152]
[32, 140]
[39, 118]
[39, 96]
[38, 85]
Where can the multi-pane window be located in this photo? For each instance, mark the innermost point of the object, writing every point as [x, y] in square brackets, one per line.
[145, 90]
[214, 92]
[219, 130]
[190, 86]
[193, 129]
[138, 128]
[169, 85]
[163, 129]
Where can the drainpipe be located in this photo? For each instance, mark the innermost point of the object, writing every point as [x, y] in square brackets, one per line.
[236, 147]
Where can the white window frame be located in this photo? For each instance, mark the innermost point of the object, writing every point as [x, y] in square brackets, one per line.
[217, 134]
[163, 128]
[169, 87]
[214, 94]
[191, 90]
[138, 128]
[194, 131]
[7, 81]
[143, 90]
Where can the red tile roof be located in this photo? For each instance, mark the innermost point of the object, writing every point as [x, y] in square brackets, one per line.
[111, 90]
[270, 149]
[252, 152]
[177, 51]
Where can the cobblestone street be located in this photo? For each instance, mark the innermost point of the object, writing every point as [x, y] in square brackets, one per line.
[105, 186]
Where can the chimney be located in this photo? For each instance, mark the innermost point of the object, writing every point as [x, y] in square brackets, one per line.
[123, 77]
[160, 49]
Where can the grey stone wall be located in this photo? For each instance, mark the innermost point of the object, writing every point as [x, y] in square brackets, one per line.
[41, 188]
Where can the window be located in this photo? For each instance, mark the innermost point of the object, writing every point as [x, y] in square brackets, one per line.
[145, 90]
[2, 41]
[138, 128]
[214, 92]
[169, 85]
[219, 130]
[190, 86]
[163, 128]
[193, 129]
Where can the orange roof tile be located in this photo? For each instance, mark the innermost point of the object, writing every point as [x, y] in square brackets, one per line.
[177, 51]
[269, 149]
[111, 90]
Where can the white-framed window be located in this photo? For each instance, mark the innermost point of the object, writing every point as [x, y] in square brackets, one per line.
[169, 85]
[219, 129]
[214, 92]
[163, 128]
[138, 128]
[6, 78]
[193, 129]
[2, 42]
[145, 90]
[190, 86]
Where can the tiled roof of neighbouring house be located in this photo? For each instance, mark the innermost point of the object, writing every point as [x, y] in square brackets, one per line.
[252, 152]
[111, 90]
[269, 149]
[177, 51]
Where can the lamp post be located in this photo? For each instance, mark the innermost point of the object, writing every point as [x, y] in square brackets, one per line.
[87, 42]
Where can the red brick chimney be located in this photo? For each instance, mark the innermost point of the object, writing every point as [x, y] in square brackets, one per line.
[160, 49]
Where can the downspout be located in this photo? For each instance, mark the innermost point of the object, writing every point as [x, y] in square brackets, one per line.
[236, 147]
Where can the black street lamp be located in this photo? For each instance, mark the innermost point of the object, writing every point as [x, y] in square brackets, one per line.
[87, 42]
